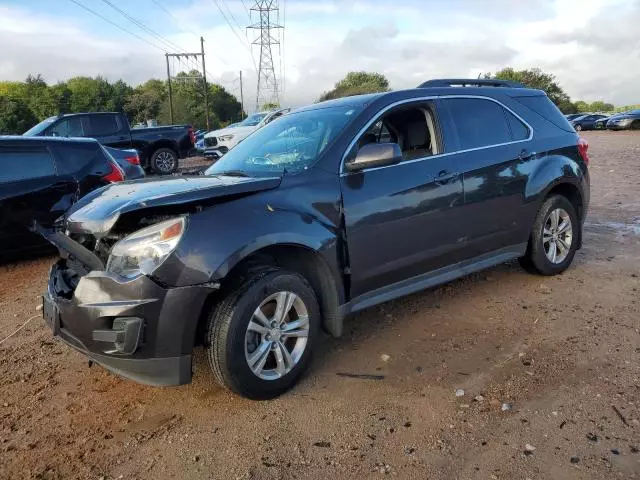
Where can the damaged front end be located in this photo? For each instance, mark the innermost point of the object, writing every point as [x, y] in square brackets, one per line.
[115, 311]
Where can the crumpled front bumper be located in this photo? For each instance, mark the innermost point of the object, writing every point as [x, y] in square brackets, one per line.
[136, 328]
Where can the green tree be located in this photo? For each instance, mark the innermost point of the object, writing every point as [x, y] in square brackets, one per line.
[536, 78]
[90, 94]
[15, 116]
[145, 101]
[270, 106]
[357, 83]
[582, 106]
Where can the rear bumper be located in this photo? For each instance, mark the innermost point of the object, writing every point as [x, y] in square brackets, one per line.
[155, 347]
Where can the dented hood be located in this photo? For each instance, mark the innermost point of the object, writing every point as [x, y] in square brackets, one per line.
[97, 212]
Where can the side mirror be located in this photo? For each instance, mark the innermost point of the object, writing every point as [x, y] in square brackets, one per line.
[375, 155]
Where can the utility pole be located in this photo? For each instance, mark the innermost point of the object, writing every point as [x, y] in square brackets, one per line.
[206, 88]
[169, 85]
[241, 98]
[203, 77]
[267, 82]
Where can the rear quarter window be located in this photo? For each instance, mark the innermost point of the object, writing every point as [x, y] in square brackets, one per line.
[19, 164]
[541, 105]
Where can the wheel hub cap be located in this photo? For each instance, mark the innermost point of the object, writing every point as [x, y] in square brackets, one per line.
[276, 336]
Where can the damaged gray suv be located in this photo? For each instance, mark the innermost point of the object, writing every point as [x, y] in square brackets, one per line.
[331, 209]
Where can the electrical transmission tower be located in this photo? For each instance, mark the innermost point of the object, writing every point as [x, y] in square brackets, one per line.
[267, 82]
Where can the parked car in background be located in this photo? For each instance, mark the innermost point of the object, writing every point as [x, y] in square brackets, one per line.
[573, 116]
[334, 208]
[160, 147]
[587, 122]
[601, 124]
[219, 142]
[129, 162]
[625, 121]
[40, 178]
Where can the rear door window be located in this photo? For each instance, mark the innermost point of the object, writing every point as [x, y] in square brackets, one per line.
[478, 122]
[25, 163]
[103, 125]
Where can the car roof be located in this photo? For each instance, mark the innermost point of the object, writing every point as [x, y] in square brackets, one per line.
[19, 139]
[364, 100]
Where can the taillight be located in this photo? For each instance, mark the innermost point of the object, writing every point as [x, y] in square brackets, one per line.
[133, 160]
[192, 136]
[115, 175]
[583, 147]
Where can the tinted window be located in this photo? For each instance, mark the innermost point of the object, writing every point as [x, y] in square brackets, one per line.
[75, 158]
[67, 127]
[519, 131]
[100, 125]
[25, 163]
[479, 122]
[544, 107]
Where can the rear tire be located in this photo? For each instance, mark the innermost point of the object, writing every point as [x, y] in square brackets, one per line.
[246, 323]
[164, 161]
[578, 128]
[554, 237]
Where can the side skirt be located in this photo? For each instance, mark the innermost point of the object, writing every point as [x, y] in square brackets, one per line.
[431, 279]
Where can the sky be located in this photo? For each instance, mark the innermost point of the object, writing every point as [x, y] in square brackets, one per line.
[591, 46]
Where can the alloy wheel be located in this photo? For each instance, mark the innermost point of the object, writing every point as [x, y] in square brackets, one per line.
[165, 162]
[277, 335]
[557, 236]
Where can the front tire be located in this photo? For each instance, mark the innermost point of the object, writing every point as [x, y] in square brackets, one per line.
[578, 128]
[260, 337]
[164, 161]
[554, 237]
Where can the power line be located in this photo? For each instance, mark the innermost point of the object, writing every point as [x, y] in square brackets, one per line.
[181, 25]
[246, 9]
[231, 13]
[116, 25]
[178, 22]
[243, 42]
[138, 23]
[283, 62]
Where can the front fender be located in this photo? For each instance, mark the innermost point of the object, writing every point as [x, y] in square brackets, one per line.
[220, 237]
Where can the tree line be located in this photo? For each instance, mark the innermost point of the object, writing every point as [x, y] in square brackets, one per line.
[356, 83]
[24, 104]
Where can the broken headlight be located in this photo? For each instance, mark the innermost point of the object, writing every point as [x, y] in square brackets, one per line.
[143, 251]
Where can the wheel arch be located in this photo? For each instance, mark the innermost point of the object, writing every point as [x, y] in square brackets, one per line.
[294, 257]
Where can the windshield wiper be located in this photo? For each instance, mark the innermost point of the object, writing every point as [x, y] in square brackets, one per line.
[232, 173]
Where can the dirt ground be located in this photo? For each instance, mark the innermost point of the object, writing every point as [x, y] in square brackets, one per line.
[549, 368]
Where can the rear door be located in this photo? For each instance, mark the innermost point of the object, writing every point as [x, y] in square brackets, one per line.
[491, 147]
[109, 129]
[30, 190]
[402, 220]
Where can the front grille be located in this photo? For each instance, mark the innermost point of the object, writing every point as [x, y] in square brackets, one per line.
[210, 141]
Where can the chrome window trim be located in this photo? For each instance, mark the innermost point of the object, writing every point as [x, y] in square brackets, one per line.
[444, 154]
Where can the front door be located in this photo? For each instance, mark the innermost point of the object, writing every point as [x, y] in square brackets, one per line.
[402, 220]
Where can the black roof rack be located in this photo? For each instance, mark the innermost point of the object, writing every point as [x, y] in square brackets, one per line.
[470, 82]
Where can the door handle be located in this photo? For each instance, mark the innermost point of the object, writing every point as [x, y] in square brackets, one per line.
[526, 154]
[444, 177]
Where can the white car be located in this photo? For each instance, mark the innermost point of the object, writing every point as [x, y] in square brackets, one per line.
[219, 142]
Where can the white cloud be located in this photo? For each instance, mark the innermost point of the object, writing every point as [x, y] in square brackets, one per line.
[592, 46]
